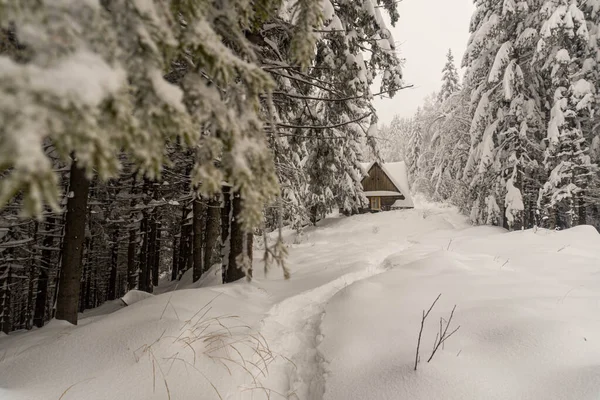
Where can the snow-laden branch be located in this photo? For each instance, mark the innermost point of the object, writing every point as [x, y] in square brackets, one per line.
[325, 126]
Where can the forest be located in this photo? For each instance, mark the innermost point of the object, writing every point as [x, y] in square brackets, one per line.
[141, 139]
[146, 138]
[516, 142]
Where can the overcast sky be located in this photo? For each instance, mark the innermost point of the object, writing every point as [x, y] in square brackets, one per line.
[423, 35]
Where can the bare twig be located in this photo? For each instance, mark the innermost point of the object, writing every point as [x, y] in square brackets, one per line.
[444, 335]
[425, 315]
[70, 387]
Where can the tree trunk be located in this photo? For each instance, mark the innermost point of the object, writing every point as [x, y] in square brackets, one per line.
[143, 263]
[86, 287]
[225, 228]
[33, 274]
[211, 233]
[83, 284]
[156, 255]
[184, 249]
[249, 251]
[189, 261]
[198, 227]
[131, 265]
[581, 211]
[175, 265]
[235, 271]
[150, 257]
[183, 241]
[314, 215]
[89, 291]
[131, 246]
[41, 299]
[5, 281]
[114, 258]
[70, 273]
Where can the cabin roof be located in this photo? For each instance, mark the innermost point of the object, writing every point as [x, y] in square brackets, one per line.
[398, 174]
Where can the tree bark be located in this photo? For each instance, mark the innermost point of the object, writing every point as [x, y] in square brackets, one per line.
[131, 265]
[89, 289]
[225, 228]
[114, 257]
[5, 299]
[235, 271]
[156, 255]
[150, 257]
[175, 258]
[177, 243]
[198, 228]
[39, 315]
[314, 215]
[581, 210]
[131, 246]
[211, 232]
[34, 268]
[143, 263]
[184, 242]
[183, 250]
[70, 273]
[249, 251]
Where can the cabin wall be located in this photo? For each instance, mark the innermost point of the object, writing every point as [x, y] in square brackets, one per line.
[386, 203]
[378, 180]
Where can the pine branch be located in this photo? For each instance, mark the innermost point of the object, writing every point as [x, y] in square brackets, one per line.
[341, 99]
[325, 126]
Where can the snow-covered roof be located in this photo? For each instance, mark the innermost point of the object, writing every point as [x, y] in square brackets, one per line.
[398, 174]
[382, 193]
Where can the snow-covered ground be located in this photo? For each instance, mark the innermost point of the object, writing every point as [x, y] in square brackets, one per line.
[345, 325]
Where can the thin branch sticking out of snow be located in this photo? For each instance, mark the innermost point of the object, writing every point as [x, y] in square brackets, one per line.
[425, 315]
[443, 336]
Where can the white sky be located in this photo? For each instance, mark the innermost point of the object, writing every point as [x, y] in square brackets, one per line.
[423, 35]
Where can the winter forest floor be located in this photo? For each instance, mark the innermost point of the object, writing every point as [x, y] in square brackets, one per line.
[345, 325]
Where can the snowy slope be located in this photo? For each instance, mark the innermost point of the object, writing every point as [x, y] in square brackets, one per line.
[345, 325]
[527, 306]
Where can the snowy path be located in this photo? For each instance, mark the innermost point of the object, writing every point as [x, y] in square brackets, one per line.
[294, 328]
[293, 325]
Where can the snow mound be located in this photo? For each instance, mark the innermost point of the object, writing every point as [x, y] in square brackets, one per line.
[526, 305]
[133, 296]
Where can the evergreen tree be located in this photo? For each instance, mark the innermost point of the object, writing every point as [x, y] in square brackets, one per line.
[506, 115]
[562, 49]
[450, 80]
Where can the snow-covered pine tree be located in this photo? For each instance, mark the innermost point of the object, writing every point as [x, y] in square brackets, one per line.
[505, 106]
[393, 139]
[91, 85]
[325, 111]
[415, 144]
[562, 52]
[591, 126]
[450, 79]
[450, 147]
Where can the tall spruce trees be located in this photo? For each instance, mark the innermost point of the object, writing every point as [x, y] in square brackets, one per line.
[162, 105]
[518, 145]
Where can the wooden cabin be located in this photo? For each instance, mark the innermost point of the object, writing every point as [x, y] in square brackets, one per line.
[386, 186]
